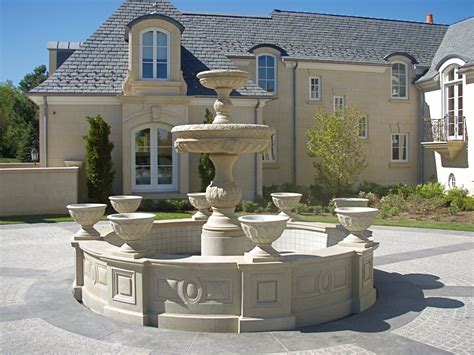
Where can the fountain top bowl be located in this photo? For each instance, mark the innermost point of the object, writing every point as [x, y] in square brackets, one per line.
[84, 206]
[130, 217]
[216, 79]
[263, 219]
[124, 197]
[356, 211]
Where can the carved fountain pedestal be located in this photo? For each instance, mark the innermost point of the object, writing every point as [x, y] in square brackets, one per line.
[224, 141]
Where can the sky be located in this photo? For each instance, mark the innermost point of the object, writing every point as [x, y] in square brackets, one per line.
[27, 25]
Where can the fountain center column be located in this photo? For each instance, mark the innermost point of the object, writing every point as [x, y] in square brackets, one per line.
[224, 141]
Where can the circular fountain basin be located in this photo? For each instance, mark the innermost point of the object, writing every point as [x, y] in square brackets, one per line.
[176, 288]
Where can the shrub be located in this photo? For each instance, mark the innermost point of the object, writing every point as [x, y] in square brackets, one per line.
[317, 210]
[249, 206]
[100, 174]
[453, 210]
[429, 190]
[416, 204]
[469, 203]
[302, 208]
[457, 198]
[147, 205]
[373, 198]
[173, 205]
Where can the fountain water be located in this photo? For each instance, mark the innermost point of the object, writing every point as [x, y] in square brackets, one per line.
[204, 274]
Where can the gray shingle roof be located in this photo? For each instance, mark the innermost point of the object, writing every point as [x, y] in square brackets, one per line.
[458, 41]
[99, 67]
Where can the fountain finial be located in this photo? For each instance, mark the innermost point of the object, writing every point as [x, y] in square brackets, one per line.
[223, 82]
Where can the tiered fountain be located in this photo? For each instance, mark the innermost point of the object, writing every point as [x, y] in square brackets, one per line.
[218, 273]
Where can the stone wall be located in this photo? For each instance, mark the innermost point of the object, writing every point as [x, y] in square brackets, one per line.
[37, 190]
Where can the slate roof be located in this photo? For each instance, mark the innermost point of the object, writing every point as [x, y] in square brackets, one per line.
[458, 41]
[99, 67]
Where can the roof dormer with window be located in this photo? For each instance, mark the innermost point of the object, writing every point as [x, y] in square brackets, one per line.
[154, 67]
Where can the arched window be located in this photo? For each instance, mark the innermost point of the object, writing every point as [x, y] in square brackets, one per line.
[154, 55]
[453, 102]
[266, 72]
[154, 161]
[399, 80]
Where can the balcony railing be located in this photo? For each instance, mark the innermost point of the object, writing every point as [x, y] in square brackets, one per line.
[448, 128]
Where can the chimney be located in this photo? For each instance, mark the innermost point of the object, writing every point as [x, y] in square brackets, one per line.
[429, 18]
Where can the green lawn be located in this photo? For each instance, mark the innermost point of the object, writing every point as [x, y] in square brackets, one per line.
[399, 223]
[323, 219]
[67, 218]
[9, 160]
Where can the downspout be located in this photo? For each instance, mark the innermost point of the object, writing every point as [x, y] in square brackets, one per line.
[45, 131]
[258, 164]
[421, 135]
[294, 123]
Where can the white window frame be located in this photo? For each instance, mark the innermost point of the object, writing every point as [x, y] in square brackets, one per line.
[168, 62]
[336, 106]
[271, 155]
[456, 83]
[366, 129]
[407, 148]
[153, 186]
[406, 81]
[275, 69]
[319, 86]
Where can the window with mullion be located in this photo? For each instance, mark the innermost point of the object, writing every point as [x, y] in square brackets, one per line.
[266, 67]
[315, 88]
[154, 55]
[399, 81]
[400, 147]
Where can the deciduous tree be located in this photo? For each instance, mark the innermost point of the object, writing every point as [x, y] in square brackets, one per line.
[335, 145]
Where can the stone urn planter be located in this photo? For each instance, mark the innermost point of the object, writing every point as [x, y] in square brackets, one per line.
[125, 203]
[87, 215]
[199, 201]
[286, 201]
[263, 230]
[132, 228]
[351, 202]
[356, 220]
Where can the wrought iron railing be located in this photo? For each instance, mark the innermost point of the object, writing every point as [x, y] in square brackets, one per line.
[448, 128]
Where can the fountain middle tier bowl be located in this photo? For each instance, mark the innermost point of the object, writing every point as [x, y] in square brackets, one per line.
[223, 138]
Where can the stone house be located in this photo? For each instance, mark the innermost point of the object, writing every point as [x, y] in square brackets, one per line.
[448, 107]
[138, 70]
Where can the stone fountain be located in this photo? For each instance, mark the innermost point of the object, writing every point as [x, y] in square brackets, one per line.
[224, 141]
[222, 274]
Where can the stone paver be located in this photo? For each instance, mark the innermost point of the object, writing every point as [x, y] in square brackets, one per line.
[451, 329]
[425, 304]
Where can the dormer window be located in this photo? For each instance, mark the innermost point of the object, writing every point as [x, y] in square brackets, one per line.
[154, 55]
[266, 72]
[399, 80]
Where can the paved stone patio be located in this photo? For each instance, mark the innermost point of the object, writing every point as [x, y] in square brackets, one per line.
[425, 282]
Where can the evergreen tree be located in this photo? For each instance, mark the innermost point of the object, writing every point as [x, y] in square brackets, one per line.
[206, 168]
[99, 166]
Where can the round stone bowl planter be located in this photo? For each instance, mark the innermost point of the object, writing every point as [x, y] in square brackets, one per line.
[125, 203]
[351, 202]
[286, 201]
[87, 215]
[263, 230]
[131, 228]
[356, 220]
[199, 201]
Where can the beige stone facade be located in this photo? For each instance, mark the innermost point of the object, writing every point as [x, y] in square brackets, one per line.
[157, 90]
